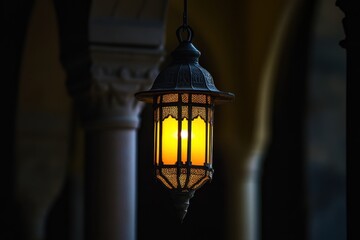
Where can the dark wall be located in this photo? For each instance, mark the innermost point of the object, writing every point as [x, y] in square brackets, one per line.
[15, 16]
[284, 212]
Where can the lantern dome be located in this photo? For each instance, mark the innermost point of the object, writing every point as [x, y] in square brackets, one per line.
[184, 74]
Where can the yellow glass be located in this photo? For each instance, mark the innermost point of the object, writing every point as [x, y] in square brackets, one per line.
[198, 141]
[170, 141]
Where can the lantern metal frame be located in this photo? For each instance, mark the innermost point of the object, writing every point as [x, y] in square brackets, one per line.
[185, 100]
[184, 77]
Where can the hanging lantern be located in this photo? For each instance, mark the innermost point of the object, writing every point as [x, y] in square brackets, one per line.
[183, 97]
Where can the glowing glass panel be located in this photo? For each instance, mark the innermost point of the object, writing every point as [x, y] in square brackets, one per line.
[170, 136]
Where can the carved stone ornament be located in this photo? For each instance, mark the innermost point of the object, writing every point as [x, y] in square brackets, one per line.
[116, 75]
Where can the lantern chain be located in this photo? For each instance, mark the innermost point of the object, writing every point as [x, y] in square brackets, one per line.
[185, 28]
[185, 14]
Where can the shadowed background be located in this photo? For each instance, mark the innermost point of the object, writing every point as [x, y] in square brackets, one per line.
[281, 143]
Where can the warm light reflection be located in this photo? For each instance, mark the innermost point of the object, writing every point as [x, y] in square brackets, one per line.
[170, 141]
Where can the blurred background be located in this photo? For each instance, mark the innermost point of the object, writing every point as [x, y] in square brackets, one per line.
[279, 148]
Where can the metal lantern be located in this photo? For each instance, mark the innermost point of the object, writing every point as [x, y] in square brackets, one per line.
[183, 97]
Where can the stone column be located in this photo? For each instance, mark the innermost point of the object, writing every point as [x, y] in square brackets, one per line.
[111, 117]
[126, 46]
[125, 40]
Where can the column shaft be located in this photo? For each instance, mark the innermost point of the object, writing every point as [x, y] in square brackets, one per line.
[110, 184]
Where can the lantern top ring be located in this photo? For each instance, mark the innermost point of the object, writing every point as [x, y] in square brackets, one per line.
[188, 30]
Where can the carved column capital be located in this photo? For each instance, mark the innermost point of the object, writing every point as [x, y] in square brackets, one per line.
[116, 75]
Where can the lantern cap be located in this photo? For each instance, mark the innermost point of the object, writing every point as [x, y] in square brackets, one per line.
[184, 74]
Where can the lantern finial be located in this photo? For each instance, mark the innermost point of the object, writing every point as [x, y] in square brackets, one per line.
[181, 202]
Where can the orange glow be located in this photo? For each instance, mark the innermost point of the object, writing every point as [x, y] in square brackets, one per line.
[170, 141]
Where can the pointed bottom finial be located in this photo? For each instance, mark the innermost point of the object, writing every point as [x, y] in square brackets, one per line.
[182, 202]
